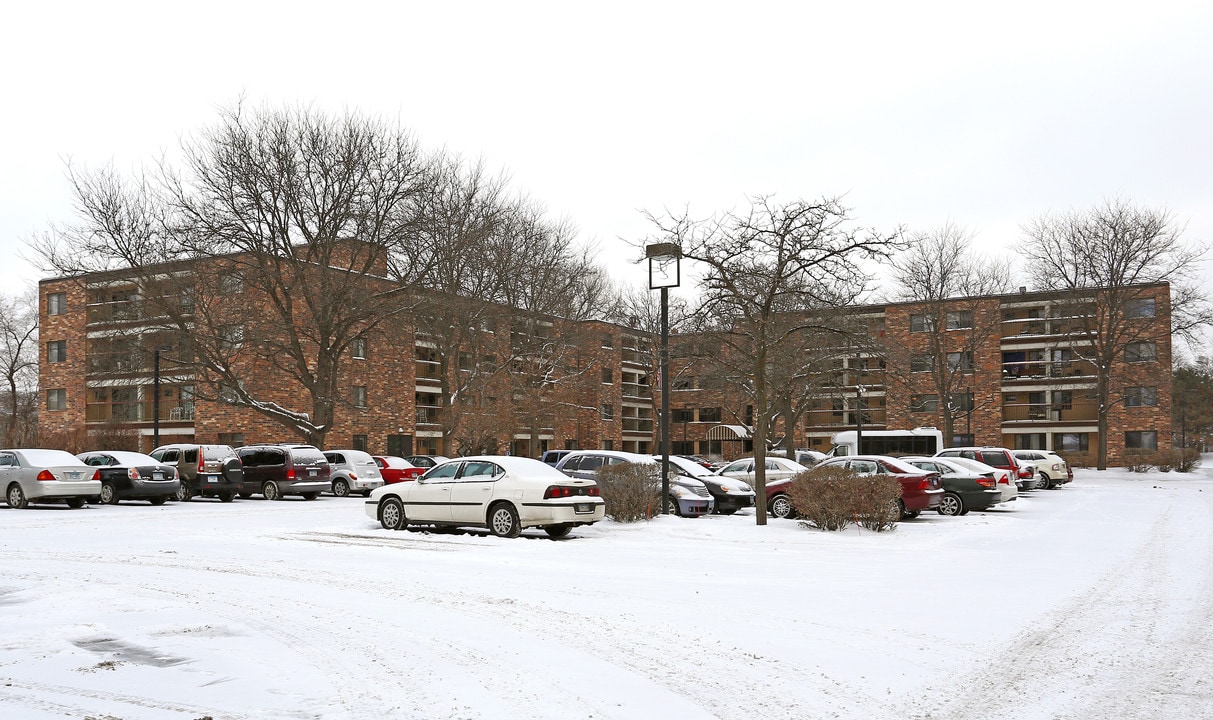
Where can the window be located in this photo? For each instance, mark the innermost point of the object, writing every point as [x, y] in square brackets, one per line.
[1141, 396]
[607, 412]
[961, 402]
[1071, 442]
[608, 341]
[963, 439]
[608, 376]
[960, 362]
[465, 361]
[1140, 308]
[233, 439]
[231, 337]
[360, 396]
[231, 283]
[922, 363]
[924, 403]
[358, 347]
[1141, 352]
[56, 399]
[710, 414]
[56, 351]
[960, 320]
[685, 383]
[921, 323]
[1141, 440]
[608, 445]
[227, 394]
[685, 415]
[56, 303]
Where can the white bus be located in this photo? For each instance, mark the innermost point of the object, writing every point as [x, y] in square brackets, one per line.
[919, 441]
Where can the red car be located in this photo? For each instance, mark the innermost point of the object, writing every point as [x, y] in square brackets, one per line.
[920, 490]
[396, 469]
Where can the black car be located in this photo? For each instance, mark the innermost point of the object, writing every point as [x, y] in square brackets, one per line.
[275, 471]
[963, 489]
[730, 495]
[132, 476]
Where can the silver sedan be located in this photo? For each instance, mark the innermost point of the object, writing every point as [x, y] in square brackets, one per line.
[44, 476]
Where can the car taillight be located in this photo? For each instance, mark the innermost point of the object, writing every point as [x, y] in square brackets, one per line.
[1004, 480]
[201, 462]
[353, 475]
[132, 473]
[986, 481]
[1025, 472]
[290, 473]
[96, 474]
[45, 476]
[559, 491]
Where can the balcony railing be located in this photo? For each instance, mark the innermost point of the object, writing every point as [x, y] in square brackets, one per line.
[429, 415]
[638, 425]
[1049, 412]
[135, 412]
[115, 311]
[1047, 369]
[871, 416]
[637, 391]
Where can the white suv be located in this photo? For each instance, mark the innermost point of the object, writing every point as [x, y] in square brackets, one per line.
[353, 471]
[1052, 468]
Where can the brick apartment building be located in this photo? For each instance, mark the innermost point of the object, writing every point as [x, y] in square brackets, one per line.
[1024, 385]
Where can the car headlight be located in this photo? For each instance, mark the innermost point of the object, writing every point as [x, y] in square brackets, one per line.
[725, 488]
[679, 491]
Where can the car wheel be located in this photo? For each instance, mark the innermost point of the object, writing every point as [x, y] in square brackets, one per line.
[951, 504]
[227, 497]
[391, 515]
[672, 507]
[270, 491]
[310, 496]
[1046, 482]
[366, 493]
[558, 531]
[728, 511]
[184, 494]
[503, 521]
[109, 495]
[246, 495]
[16, 497]
[781, 506]
[158, 500]
[341, 488]
[75, 503]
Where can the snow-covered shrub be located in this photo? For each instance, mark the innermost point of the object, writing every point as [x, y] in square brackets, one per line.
[1078, 458]
[631, 492]
[1189, 460]
[832, 498]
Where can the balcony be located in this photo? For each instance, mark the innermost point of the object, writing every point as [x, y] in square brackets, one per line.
[1040, 369]
[136, 412]
[845, 418]
[429, 415]
[1048, 412]
[638, 425]
[636, 391]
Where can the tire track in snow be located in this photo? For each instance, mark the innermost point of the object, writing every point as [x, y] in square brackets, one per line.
[1051, 672]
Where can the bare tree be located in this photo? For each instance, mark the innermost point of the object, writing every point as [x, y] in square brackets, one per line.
[1106, 265]
[269, 248]
[19, 366]
[766, 272]
[947, 282]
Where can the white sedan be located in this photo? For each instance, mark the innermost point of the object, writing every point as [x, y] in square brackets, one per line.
[42, 476]
[502, 493]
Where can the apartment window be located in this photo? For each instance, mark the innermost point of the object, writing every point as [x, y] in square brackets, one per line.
[1139, 308]
[960, 320]
[358, 347]
[608, 376]
[961, 402]
[465, 361]
[56, 399]
[921, 323]
[233, 439]
[231, 337]
[1141, 396]
[963, 440]
[924, 403]
[1141, 352]
[227, 394]
[607, 412]
[682, 416]
[960, 362]
[685, 383]
[922, 363]
[56, 351]
[608, 445]
[1141, 440]
[359, 442]
[710, 414]
[608, 341]
[56, 303]
[360, 396]
[1071, 442]
[231, 283]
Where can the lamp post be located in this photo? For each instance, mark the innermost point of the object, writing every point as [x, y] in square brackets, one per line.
[664, 274]
[156, 398]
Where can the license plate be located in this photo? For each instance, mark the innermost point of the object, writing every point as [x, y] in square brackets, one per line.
[157, 476]
[311, 472]
[73, 475]
[583, 507]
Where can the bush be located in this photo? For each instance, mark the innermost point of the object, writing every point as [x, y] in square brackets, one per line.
[832, 498]
[1183, 460]
[629, 491]
[1139, 460]
[1078, 459]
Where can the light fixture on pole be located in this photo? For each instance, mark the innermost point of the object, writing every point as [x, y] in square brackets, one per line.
[664, 273]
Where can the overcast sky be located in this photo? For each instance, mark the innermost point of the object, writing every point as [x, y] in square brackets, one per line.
[918, 113]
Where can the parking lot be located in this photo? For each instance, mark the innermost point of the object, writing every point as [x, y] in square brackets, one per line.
[1091, 601]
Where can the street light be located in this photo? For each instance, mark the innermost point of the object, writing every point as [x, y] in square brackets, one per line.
[664, 273]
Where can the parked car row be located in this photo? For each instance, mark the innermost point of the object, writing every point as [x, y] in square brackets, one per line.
[183, 471]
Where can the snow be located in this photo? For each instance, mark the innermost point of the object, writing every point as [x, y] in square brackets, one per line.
[1091, 601]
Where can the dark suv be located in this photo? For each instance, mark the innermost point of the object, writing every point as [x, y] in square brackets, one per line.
[205, 470]
[275, 471]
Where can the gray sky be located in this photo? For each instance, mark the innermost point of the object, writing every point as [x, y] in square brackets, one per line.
[919, 113]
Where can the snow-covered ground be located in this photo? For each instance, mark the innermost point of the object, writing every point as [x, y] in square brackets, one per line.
[1091, 601]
